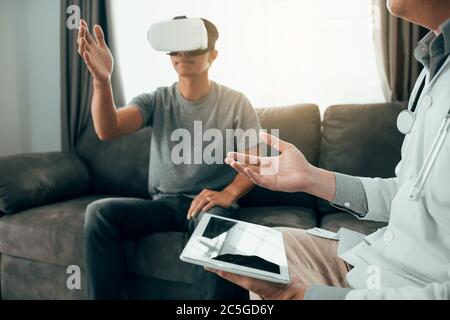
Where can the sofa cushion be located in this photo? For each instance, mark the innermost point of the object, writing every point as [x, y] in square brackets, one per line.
[360, 140]
[334, 221]
[27, 279]
[24, 279]
[54, 234]
[299, 125]
[51, 233]
[31, 180]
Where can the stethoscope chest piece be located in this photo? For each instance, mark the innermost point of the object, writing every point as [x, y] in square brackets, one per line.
[405, 121]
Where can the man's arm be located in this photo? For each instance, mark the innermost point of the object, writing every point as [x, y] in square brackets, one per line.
[432, 291]
[109, 123]
[366, 198]
[380, 193]
[291, 172]
[350, 195]
[208, 199]
[239, 187]
[298, 291]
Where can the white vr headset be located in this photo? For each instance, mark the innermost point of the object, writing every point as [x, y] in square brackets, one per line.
[179, 35]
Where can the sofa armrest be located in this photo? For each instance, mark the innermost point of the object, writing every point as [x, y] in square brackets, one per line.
[31, 180]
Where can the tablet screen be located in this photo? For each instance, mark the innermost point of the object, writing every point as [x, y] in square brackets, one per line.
[242, 244]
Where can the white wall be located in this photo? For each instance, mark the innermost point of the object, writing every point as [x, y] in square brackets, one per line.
[29, 76]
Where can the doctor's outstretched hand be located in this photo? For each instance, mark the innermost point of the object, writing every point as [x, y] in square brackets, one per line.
[288, 172]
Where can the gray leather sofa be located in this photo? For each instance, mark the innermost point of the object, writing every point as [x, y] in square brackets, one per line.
[43, 199]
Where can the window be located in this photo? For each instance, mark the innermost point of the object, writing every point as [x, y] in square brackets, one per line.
[277, 52]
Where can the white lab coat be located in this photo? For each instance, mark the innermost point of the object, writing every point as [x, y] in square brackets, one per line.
[412, 254]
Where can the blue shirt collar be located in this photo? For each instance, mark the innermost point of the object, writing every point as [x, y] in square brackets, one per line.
[434, 49]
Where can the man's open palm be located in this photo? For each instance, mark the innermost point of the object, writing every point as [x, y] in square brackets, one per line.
[95, 53]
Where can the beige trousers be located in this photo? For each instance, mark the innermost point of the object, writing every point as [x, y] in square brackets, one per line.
[313, 260]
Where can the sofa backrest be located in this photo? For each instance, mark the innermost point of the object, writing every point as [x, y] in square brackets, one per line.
[360, 140]
[120, 167]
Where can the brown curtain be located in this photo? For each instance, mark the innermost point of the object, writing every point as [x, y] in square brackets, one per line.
[76, 82]
[395, 41]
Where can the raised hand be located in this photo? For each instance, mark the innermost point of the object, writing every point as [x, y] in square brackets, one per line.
[95, 53]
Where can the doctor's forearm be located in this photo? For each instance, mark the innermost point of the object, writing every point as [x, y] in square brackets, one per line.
[342, 191]
[322, 184]
[350, 195]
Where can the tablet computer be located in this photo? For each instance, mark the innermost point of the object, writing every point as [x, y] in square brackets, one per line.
[239, 247]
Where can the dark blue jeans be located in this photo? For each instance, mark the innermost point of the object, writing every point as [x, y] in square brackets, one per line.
[109, 223]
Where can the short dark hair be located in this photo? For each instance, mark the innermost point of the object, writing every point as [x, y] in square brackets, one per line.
[213, 33]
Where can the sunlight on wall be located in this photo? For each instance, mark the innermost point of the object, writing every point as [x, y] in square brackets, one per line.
[277, 52]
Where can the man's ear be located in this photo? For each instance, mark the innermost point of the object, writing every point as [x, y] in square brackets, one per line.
[213, 55]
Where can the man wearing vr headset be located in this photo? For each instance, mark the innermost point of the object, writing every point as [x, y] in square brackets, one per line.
[408, 259]
[181, 193]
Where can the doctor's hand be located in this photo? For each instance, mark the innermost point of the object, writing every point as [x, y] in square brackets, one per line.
[265, 289]
[208, 199]
[95, 53]
[289, 172]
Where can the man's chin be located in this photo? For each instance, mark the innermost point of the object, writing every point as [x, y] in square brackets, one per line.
[187, 73]
[396, 7]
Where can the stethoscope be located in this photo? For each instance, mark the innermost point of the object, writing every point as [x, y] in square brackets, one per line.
[405, 123]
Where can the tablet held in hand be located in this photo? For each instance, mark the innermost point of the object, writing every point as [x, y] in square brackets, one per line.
[239, 247]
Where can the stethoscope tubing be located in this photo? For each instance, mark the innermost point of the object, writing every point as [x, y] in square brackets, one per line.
[430, 159]
[408, 117]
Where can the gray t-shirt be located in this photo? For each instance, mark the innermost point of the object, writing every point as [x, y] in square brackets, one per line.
[186, 157]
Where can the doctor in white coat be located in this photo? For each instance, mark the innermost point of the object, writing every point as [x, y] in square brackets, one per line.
[408, 259]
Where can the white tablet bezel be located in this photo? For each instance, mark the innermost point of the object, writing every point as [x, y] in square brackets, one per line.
[283, 277]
